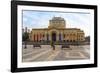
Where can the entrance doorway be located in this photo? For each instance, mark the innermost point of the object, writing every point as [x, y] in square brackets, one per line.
[53, 36]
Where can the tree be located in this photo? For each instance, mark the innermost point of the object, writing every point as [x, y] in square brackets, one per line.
[25, 38]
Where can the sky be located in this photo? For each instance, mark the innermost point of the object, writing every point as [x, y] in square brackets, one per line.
[40, 19]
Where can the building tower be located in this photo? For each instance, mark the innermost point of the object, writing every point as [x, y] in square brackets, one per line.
[57, 22]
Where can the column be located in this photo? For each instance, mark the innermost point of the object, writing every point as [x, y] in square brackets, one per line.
[35, 37]
[45, 37]
[32, 37]
[39, 37]
[57, 36]
[66, 37]
[61, 36]
[50, 37]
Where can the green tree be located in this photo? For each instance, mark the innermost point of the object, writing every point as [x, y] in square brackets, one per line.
[25, 36]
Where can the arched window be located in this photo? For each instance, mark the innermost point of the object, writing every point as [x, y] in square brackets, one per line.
[35, 37]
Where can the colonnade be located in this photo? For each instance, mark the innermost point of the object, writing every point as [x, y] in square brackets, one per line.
[58, 36]
[46, 37]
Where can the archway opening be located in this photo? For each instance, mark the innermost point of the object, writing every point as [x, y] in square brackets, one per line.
[53, 36]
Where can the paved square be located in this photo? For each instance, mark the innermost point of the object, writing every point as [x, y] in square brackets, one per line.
[46, 53]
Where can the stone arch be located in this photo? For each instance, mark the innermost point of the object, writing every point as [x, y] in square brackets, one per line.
[54, 33]
[54, 36]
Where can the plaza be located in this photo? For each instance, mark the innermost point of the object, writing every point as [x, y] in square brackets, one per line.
[46, 53]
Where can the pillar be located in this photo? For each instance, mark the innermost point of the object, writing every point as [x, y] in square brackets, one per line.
[39, 37]
[50, 37]
[57, 36]
[35, 37]
[61, 36]
[44, 37]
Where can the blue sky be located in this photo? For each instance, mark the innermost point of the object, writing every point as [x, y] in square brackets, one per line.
[40, 19]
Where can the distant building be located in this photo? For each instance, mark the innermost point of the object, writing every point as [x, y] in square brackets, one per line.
[57, 31]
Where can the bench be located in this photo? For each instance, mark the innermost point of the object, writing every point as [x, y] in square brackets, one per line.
[36, 45]
[65, 46]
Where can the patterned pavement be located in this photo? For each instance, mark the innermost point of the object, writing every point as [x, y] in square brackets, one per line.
[46, 53]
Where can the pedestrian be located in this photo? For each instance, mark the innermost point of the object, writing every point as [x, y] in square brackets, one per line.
[52, 45]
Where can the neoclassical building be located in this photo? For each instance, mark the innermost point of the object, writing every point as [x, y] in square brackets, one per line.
[57, 31]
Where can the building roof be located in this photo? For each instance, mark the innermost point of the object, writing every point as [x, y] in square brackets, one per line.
[56, 28]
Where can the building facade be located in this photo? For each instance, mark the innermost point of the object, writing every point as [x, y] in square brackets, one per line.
[57, 31]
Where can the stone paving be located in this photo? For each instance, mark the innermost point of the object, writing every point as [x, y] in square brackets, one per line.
[46, 53]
